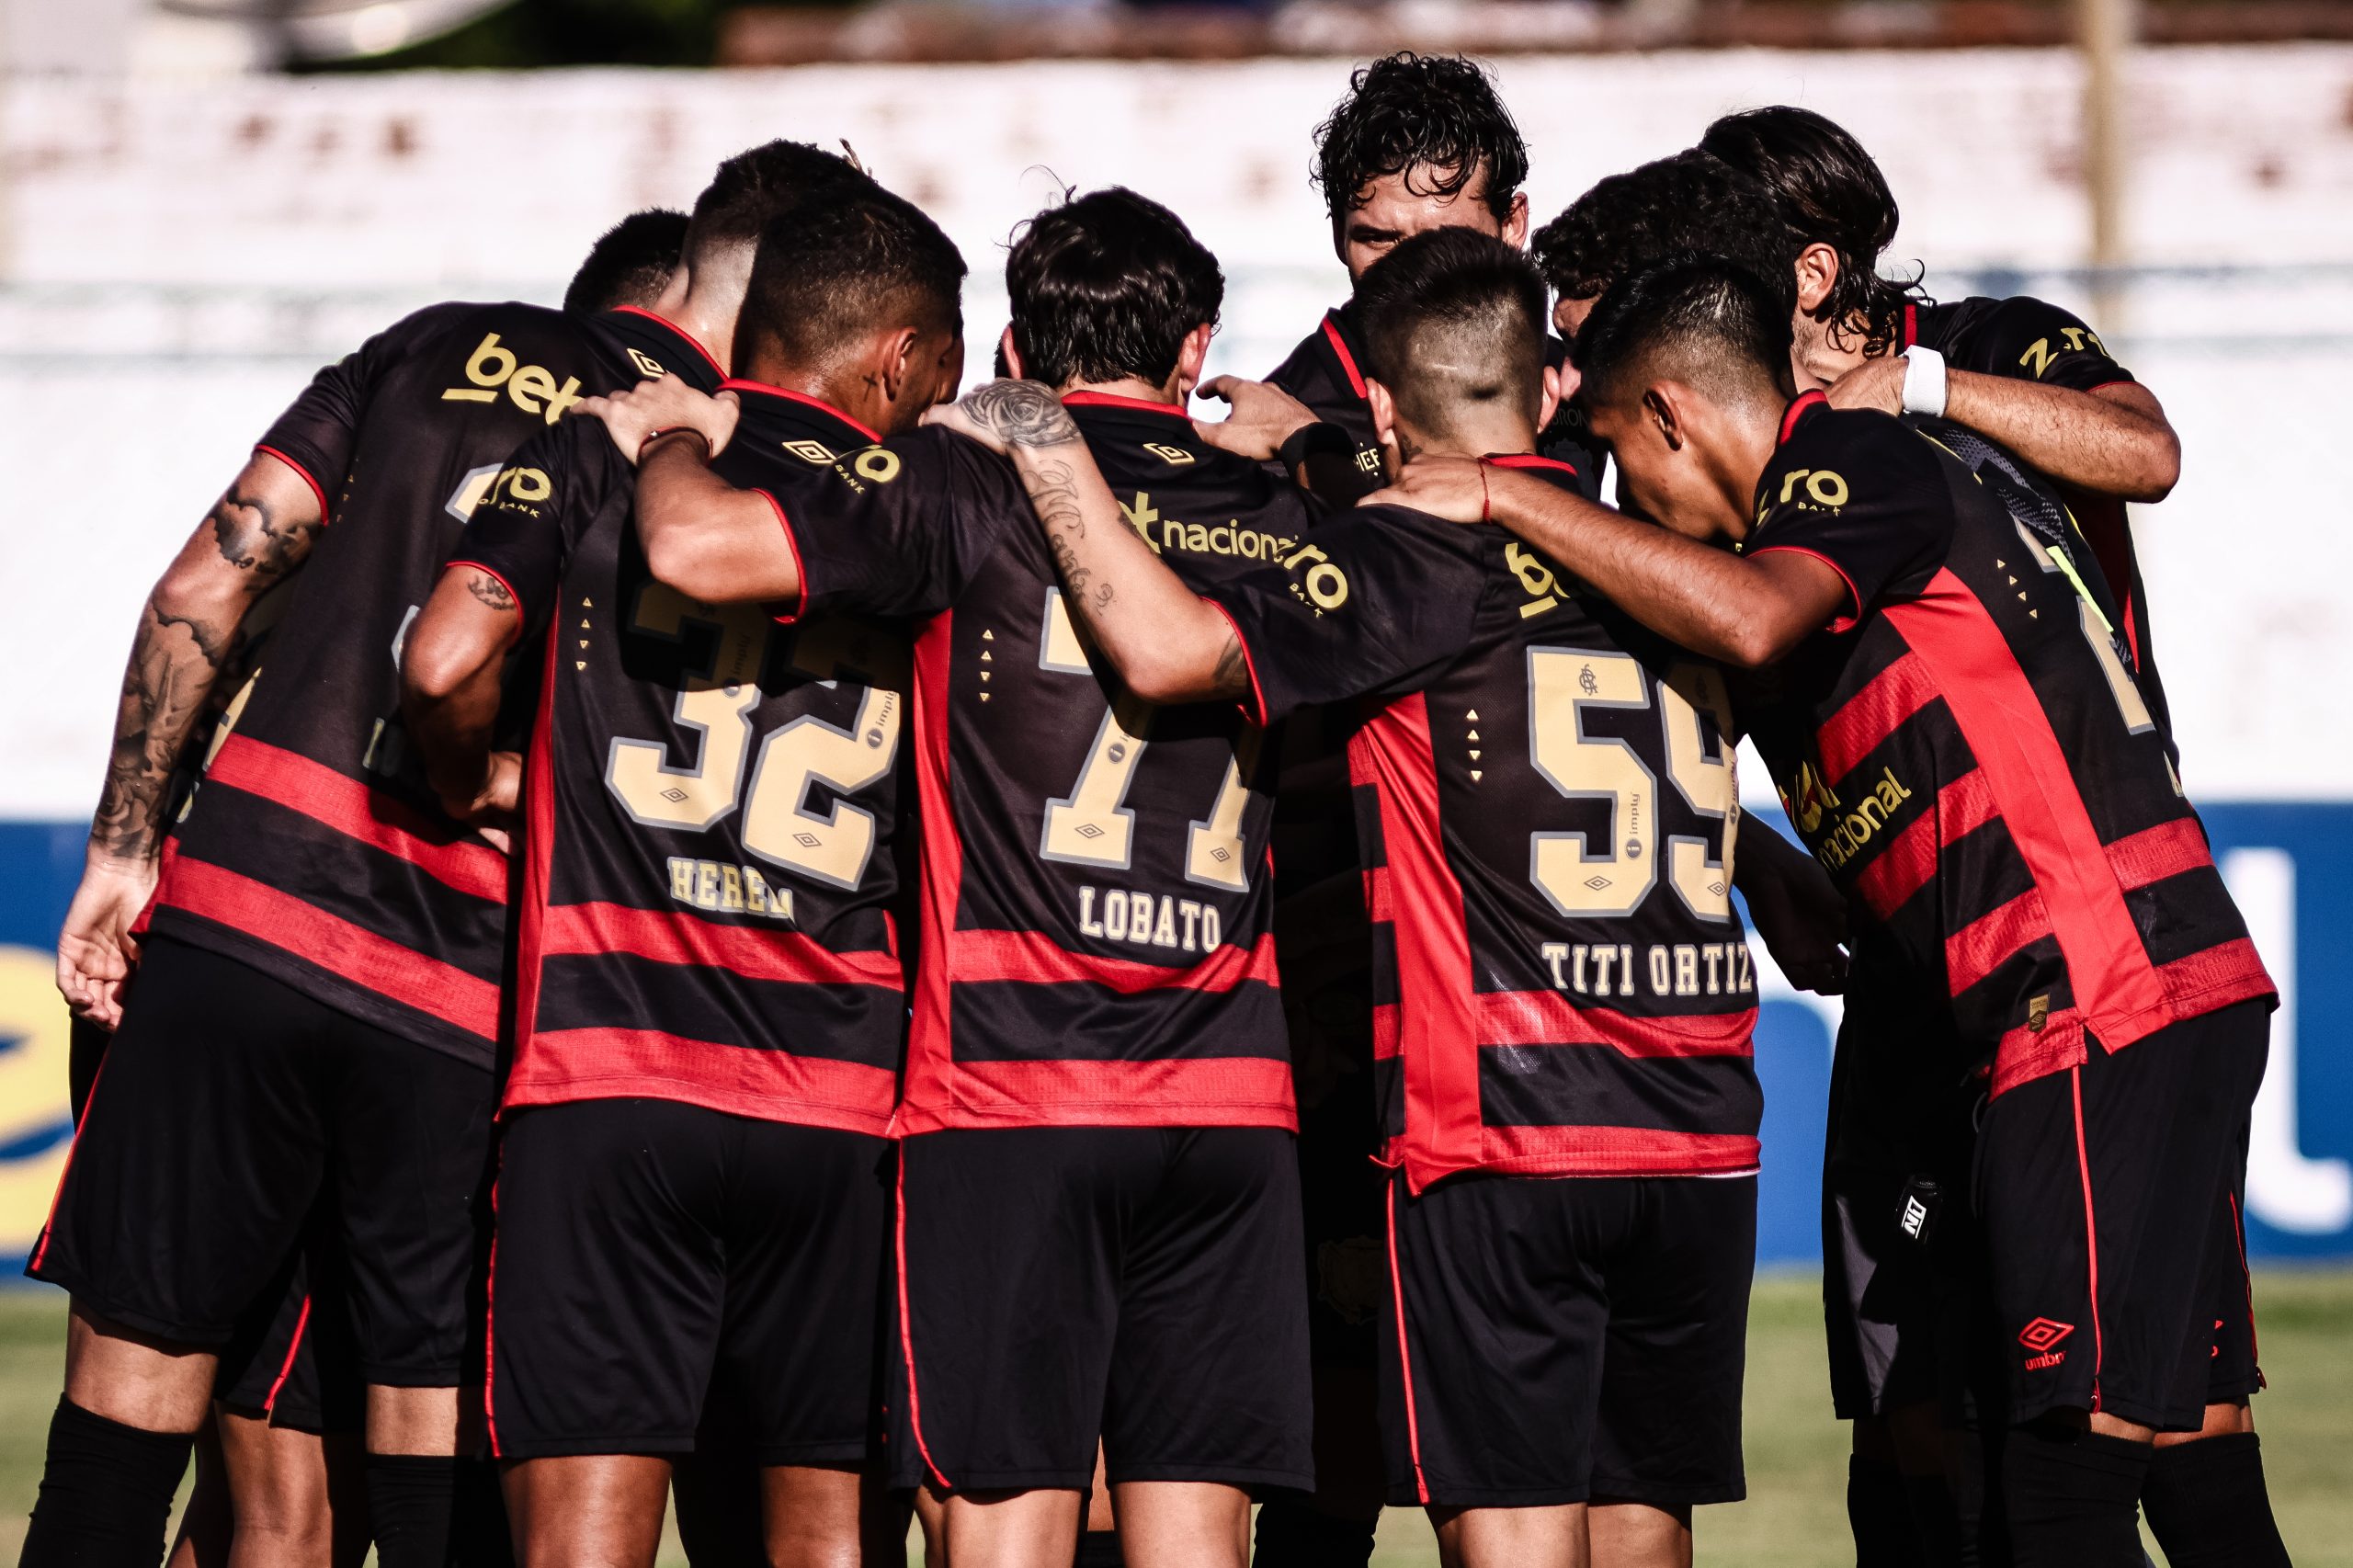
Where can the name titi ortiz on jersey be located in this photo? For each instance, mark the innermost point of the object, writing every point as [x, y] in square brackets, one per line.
[1668, 969]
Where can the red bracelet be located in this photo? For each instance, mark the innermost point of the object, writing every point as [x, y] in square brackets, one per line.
[1487, 508]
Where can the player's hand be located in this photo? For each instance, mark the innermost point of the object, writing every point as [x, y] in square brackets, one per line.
[1875, 383]
[494, 808]
[633, 417]
[95, 951]
[1264, 418]
[1456, 489]
[1008, 417]
[1803, 918]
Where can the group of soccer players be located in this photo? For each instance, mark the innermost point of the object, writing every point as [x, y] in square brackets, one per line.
[682, 914]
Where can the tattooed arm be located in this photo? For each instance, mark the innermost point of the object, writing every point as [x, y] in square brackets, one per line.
[257, 534]
[1168, 644]
[451, 670]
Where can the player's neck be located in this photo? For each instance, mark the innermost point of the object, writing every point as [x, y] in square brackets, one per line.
[1134, 387]
[1496, 436]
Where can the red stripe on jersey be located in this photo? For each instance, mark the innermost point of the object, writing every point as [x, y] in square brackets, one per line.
[352, 808]
[1872, 714]
[1380, 901]
[688, 338]
[2002, 718]
[744, 383]
[1442, 1101]
[1888, 882]
[2024, 1053]
[799, 568]
[305, 475]
[1387, 1041]
[930, 1039]
[1620, 1151]
[1347, 361]
[2156, 853]
[440, 990]
[1113, 400]
[1797, 411]
[1034, 959]
[538, 850]
[675, 937]
[561, 1065]
[1216, 1091]
[1979, 948]
[1548, 1017]
[2200, 983]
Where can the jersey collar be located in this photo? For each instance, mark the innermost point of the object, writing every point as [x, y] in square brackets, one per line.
[1337, 331]
[1135, 404]
[804, 403]
[1803, 405]
[673, 330]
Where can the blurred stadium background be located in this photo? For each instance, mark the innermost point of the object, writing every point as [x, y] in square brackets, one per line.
[202, 199]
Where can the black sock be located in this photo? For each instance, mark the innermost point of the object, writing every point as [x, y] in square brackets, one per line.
[480, 1536]
[1099, 1549]
[1936, 1520]
[106, 1493]
[1295, 1533]
[1879, 1514]
[412, 1500]
[2208, 1505]
[2073, 1497]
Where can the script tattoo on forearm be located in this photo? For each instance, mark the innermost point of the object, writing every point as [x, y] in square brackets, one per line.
[490, 591]
[1054, 492]
[1022, 414]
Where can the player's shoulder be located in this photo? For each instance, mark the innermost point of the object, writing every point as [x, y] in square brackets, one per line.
[1324, 366]
[1834, 459]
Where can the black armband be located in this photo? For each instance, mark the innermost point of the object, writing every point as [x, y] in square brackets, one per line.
[1317, 440]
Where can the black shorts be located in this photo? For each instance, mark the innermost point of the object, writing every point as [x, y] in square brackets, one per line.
[227, 1104]
[292, 1362]
[1561, 1339]
[2144, 1150]
[649, 1251]
[1141, 1284]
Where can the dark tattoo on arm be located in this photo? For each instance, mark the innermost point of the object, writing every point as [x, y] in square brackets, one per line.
[251, 540]
[1022, 414]
[1054, 492]
[1232, 673]
[174, 663]
[490, 591]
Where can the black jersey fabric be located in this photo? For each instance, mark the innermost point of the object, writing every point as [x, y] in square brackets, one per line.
[1546, 810]
[313, 850]
[1968, 752]
[712, 801]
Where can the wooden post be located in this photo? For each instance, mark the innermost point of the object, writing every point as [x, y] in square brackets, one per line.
[2107, 28]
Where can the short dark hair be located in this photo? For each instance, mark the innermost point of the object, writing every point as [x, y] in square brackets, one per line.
[1828, 191]
[631, 263]
[1715, 323]
[1427, 111]
[755, 186]
[1457, 319]
[824, 276]
[1105, 286]
[1690, 202]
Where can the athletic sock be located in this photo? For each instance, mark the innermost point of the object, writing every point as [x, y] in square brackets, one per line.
[2208, 1505]
[411, 1499]
[1099, 1549]
[480, 1536]
[1879, 1514]
[2073, 1497]
[1295, 1533]
[1936, 1520]
[106, 1493]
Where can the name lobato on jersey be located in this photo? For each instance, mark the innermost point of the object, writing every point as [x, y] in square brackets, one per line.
[1547, 810]
[711, 811]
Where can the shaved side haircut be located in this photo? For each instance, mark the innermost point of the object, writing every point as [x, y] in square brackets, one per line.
[630, 264]
[827, 277]
[1455, 321]
[757, 186]
[1708, 323]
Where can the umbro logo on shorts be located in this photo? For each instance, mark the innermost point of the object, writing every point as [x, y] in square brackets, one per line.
[2042, 1336]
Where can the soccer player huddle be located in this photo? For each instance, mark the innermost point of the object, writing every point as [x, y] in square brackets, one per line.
[682, 913]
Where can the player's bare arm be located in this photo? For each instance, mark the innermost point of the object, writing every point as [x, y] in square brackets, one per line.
[451, 685]
[1743, 611]
[704, 537]
[2115, 440]
[1168, 644]
[656, 407]
[257, 534]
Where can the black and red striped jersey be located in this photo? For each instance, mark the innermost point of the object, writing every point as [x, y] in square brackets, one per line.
[313, 849]
[711, 803]
[1096, 947]
[1546, 807]
[2030, 340]
[1327, 373]
[1967, 751]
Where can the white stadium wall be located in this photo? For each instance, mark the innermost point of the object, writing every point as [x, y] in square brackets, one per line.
[180, 255]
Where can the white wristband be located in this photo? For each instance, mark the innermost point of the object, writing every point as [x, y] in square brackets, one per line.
[1924, 381]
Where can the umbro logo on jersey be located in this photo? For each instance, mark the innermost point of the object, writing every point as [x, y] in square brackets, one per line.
[1174, 457]
[810, 451]
[647, 364]
[530, 388]
[2043, 1336]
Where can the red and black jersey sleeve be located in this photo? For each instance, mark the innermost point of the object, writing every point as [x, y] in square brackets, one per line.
[539, 502]
[905, 527]
[1372, 600]
[320, 430]
[1860, 494]
[2021, 337]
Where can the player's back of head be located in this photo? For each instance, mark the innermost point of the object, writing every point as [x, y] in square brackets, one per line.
[630, 264]
[828, 278]
[1105, 288]
[1702, 321]
[759, 184]
[1455, 322]
[1692, 202]
[1828, 191]
[1439, 115]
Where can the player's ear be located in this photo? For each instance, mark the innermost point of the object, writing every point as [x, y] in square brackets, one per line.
[1516, 222]
[895, 350]
[1191, 354]
[1384, 411]
[1008, 355]
[1549, 404]
[1817, 270]
[1663, 403]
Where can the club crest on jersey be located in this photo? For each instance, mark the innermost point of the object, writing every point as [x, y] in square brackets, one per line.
[531, 388]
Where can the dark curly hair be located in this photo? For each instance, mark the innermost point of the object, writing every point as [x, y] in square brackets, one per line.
[1713, 317]
[1426, 111]
[1692, 202]
[1829, 192]
[1106, 286]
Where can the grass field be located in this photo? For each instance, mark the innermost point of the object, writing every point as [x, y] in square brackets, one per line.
[1795, 1516]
